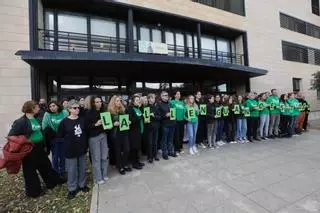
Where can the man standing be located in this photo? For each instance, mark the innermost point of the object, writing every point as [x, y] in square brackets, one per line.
[43, 109]
[274, 102]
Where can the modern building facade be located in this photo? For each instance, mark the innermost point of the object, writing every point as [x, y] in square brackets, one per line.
[61, 48]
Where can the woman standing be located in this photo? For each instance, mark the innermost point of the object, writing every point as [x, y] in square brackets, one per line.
[136, 131]
[241, 135]
[178, 133]
[119, 138]
[72, 129]
[294, 113]
[50, 124]
[98, 144]
[192, 112]
[37, 160]
[202, 127]
[220, 122]
[212, 123]
[264, 116]
[230, 122]
[285, 116]
[253, 119]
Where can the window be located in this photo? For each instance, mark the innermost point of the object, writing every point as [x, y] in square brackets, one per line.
[156, 36]
[315, 7]
[74, 84]
[48, 35]
[170, 41]
[299, 26]
[145, 34]
[180, 44]
[299, 53]
[208, 47]
[233, 6]
[223, 47]
[103, 35]
[296, 84]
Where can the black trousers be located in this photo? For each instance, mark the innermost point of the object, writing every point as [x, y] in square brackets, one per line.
[202, 131]
[284, 125]
[37, 160]
[121, 148]
[253, 125]
[230, 129]
[305, 122]
[178, 136]
[152, 132]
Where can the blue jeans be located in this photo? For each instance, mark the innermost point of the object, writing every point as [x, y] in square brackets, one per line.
[58, 155]
[241, 129]
[167, 140]
[192, 133]
[220, 130]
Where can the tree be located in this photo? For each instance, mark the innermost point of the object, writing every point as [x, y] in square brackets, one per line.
[315, 82]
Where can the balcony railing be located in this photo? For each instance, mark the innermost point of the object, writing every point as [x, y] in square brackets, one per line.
[77, 42]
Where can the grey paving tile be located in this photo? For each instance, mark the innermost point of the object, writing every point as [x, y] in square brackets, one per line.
[268, 200]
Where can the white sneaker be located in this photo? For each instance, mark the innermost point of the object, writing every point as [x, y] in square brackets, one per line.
[191, 151]
[195, 150]
[177, 153]
[223, 143]
[203, 146]
[212, 147]
[105, 178]
[233, 142]
[182, 152]
[101, 182]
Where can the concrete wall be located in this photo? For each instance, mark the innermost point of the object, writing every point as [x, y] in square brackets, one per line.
[262, 24]
[14, 73]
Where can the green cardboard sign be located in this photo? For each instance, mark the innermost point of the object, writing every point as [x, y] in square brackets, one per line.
[261, 106]
[146, 114]
[218, 112]
[124, 122]
[191, 113]
[106, 120]
[301, 108]
[225, 111]
[203, 109]
[247, 112]
[282, 107]
[291, 108]
[173, 114]
[236, 109]
[272, 105]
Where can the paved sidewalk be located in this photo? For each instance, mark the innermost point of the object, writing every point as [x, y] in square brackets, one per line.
[280, 176]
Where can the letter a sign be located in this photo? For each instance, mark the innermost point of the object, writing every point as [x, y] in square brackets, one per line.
[124, 122]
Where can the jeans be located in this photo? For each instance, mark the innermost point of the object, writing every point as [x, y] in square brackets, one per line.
[192, 133]
[220, 130]
[230, 129]
[274, 124]
[292, 124]
[212, 133]
[76, 168]
[284, 124]
[241, 129]
[253, 124]
[167, 140]
[264, 125]
[178, 136]
[58, 155]
[99, 153]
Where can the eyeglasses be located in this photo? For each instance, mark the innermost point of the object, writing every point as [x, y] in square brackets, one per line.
[52, 106]
[75, 107]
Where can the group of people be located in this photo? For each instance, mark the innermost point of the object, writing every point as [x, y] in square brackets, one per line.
[146, 125]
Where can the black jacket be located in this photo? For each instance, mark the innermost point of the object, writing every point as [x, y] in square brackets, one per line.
[164, 108]
[202, 118]
[135, 128]
[210, 113]
[154, 121]
[21, 126]
[91, 117]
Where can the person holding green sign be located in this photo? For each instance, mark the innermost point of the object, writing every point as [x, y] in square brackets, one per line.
[241, 135]
[264, 116]
[218, 110]
[230, 121]
[284, 116]
[253, 120]
[212, 123]
[192, 112]
[180, 122]
[294, 113]
[201, 137]
[119, 139]
[273, 101]
[136, 131]
[307, 109]
[98, 145]
[167, 127]
[152, 129]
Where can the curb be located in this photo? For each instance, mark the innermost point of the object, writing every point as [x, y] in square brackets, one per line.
[95, 199]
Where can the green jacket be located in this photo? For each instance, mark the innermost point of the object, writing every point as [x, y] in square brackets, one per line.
[180, 109]
[275, 102]
[252, 104]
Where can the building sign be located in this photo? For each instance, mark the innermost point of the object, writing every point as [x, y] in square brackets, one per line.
[152, 47]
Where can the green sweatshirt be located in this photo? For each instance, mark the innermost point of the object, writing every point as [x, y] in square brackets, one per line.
[264, 110]
[274, 103]
[195, 119]
[252, 104]
[286, 108]
[294, 107]
[36, 135]
[53, 120]
[180, 109]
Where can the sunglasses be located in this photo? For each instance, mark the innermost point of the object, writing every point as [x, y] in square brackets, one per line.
[75, 107]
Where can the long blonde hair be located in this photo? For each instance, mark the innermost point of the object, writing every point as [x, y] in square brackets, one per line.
[87, 102]
[113, 109]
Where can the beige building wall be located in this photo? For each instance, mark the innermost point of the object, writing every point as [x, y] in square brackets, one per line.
[262, 23]
[15, 85]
